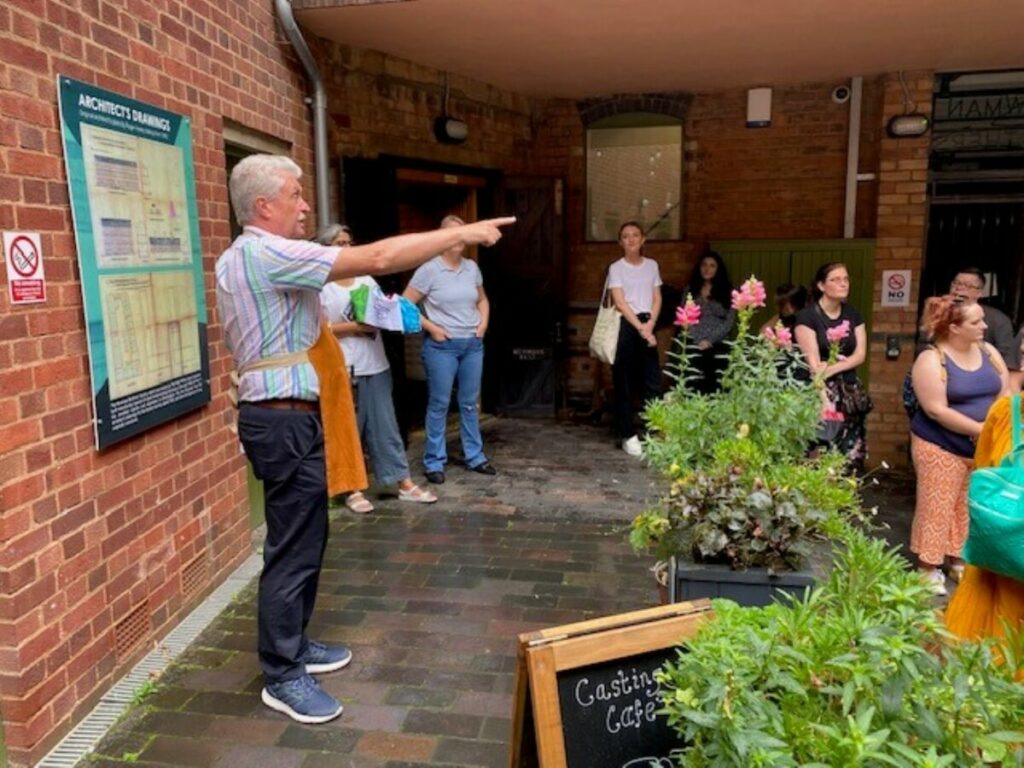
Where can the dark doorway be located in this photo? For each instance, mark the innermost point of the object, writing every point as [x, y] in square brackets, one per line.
[976, 186]
[987, 235]
[387, 196]
[526, 287]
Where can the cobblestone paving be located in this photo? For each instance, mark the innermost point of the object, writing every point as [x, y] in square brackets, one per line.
[430, 599]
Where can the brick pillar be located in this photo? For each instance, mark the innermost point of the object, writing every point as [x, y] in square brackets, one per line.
[900, 238]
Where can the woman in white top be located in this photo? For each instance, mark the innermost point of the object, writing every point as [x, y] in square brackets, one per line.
[635, 286]
[371, 376]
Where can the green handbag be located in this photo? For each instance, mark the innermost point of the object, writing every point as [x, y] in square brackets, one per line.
[995, 502]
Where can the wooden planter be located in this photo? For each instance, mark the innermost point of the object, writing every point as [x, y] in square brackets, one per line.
[754, 587]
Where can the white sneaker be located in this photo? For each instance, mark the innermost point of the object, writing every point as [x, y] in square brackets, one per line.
[935, 580]
[633, 447]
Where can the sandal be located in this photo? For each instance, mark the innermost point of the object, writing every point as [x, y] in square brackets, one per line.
[956, 572]
[358, 503]
[416, 495]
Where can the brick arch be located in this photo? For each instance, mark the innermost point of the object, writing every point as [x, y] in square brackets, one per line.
[674, 104]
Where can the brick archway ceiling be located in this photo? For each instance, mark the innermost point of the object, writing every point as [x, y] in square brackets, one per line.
[582, 48]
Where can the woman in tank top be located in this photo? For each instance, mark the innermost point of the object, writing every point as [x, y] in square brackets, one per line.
[956, 381]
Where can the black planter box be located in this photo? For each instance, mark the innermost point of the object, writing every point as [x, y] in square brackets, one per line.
[752, 587]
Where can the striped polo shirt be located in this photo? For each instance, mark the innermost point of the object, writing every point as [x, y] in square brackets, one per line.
[268, 297]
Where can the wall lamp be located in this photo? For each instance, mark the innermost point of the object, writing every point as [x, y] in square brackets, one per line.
[908, 126]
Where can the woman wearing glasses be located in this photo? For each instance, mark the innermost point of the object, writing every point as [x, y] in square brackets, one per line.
[969, 285]
[847, 396]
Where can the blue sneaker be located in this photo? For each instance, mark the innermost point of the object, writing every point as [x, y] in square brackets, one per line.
[322, 658]
[302, 700]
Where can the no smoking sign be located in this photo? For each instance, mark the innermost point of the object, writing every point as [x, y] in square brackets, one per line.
[23, 255]
[896, 288]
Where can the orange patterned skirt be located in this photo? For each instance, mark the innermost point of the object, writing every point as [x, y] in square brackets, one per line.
[940, 512]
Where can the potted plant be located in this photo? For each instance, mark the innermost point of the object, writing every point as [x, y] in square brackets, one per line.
[744, 502]
[861, 672]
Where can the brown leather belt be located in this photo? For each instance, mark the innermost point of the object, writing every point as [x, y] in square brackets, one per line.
[286, 404]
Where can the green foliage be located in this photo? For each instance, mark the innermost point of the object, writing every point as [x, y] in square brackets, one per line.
[759, 390]
[741, 488]
[859, 673]
[144, 691]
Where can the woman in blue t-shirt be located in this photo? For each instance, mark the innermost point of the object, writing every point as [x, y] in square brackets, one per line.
[456, 315]
[845, 393]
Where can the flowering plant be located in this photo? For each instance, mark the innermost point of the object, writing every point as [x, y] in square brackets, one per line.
[835, 337]
[741, 489]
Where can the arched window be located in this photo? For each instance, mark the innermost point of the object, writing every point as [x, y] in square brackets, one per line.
[635, 172]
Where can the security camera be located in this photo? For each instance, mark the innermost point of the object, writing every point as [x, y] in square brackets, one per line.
[841, 94]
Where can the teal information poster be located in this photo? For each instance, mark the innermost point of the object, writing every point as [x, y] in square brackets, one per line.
[133, 200]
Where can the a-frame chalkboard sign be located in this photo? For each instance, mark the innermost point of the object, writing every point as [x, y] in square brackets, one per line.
[585, 695]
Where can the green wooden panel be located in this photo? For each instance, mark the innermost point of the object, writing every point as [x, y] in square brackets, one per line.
[771, 267]
[795, 261]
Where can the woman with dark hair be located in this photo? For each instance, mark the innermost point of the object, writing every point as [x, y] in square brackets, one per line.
[634, 283]
[711, 290]
[956, 380]
[829, 315]
[789, 300]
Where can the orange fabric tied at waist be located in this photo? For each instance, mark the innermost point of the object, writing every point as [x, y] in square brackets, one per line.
[346, 470]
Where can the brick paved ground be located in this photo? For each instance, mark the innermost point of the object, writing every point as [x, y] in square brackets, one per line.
[430, 599]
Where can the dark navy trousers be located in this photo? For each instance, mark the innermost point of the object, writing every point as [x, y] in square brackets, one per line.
[286, 449]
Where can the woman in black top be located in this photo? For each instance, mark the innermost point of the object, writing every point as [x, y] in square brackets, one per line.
[845, 392]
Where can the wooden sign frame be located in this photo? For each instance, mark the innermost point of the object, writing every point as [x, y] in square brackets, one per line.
[542, 655]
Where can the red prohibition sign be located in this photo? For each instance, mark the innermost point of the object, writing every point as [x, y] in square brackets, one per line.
[896, 282]
[24, 257]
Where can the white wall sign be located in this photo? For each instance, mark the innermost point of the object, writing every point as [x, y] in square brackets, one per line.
[23, 255]
[896, 288]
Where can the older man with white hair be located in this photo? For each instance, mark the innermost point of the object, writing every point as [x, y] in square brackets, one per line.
[268, 297]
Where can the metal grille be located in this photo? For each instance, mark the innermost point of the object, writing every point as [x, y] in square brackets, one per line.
[132, 630]
[194, 575]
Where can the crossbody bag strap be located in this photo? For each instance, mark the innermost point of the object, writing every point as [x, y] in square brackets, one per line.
[991, 358]
[942, 361]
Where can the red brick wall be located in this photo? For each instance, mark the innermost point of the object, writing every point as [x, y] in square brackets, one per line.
[379, 104]
[784, 181]
[87, 537]
[902, 210]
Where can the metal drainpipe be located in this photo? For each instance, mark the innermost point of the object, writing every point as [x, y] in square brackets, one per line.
[319, 101]
[852, 156]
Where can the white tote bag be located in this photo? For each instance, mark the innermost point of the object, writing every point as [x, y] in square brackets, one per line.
[605, 338]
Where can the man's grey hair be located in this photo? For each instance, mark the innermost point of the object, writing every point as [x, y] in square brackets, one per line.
[258, 176]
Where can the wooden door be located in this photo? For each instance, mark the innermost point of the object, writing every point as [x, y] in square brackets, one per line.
[525, 282]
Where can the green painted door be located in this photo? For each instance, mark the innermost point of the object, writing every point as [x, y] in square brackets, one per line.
[795, 261]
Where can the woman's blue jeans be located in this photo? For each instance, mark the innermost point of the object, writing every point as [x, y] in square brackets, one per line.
[449, 362]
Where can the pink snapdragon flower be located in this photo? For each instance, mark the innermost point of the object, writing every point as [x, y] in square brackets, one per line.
[837, 334]
[780, 335]
[688, 314]
[750, 294]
